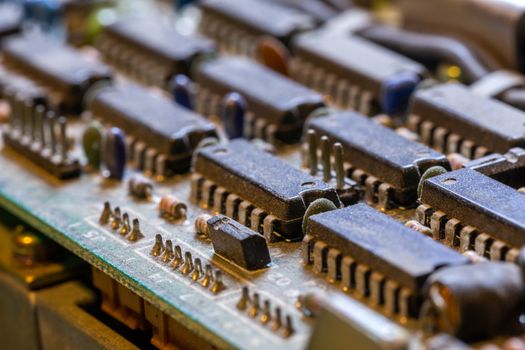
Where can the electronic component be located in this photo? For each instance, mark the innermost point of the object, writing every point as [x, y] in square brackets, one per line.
[262, 309]
[119, 222]
[496, 26]
[237, 25]
[375, 255]
[140, 187]
[161, 134]
[508, 168]
[341, 321]
[172, 207]
[356, 73]
[16, 85]
[255, 188]
[182, 90]
[475, 302]
[113, 153]
[92, 144]
[386, 163]
[66, 74]
[276, 106]
[451, 119]
[237, 243]
[468, 209]
[11, 17]
[32, 132]
[233, 113]
[151, 51]
[186, 264]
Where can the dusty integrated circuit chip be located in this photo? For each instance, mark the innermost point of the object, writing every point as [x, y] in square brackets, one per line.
[277, 106]
[237, 25]
[472, 211]
[255, 188]
[386, 163]
[376, 255]
[150, 51]
[65, 73]
[358, 74]
[450, 118]
[162, 135]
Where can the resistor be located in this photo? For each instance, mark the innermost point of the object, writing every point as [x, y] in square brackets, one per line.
[172, 206]
[457, 161]
[140, 187]
[201, 225]
[416, 226]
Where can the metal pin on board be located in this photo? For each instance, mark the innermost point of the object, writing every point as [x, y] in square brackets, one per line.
[62, 123]
[339, 166]
[325, 157]
[312, 152]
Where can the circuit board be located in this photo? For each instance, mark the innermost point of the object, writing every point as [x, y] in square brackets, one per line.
[396, 156]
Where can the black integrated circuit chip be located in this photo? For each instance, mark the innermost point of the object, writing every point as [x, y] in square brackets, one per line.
[358, 74]
[65, 73]
[236, 25]
[277, 106]
[16, 85]
[255, 188]
[150, 51]
[453, 119]
[238, 243]
[161, 134]
[508, 168]
[472, 211]
[375, 255]
[11, 17]
[389, 165]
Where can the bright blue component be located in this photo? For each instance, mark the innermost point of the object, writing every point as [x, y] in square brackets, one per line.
[114, 153]
[182, 91]
[233, 109]
[182, 3]
[396, 92]
[45, 12]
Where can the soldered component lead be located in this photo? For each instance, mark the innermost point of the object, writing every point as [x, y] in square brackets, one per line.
[243, 302]
[266, 317]
[178, 260]
[136, 234]
[187, 267]
[117, 219]
[288, 329]
[197, 271]
[168, 252]
[158, 247]
[208, 276]
[254, 309]
[277, 322]
[106, 214]
[126, 227]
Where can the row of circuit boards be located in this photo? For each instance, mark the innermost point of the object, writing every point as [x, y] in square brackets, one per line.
[277, 174]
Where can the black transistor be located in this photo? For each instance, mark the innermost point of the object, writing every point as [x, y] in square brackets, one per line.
[238, 243]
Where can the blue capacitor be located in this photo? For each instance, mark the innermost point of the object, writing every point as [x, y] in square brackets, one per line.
[114, 153]
[233, 109]
[396, 92]
[181, 3]
[182, 91]
[45, 12]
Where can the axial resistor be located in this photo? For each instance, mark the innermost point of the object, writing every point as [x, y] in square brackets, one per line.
[172, 206]
[140, 186]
